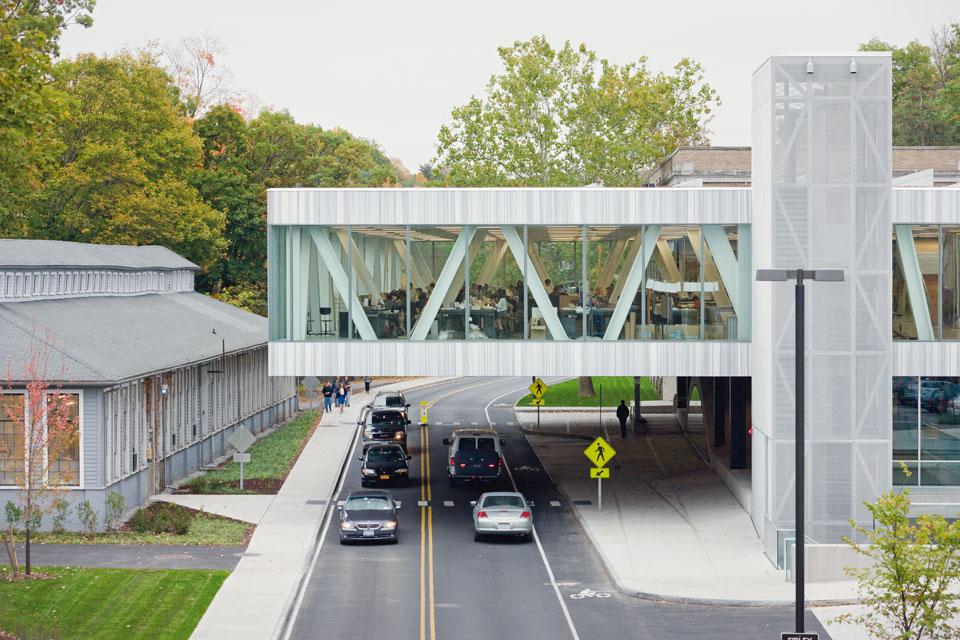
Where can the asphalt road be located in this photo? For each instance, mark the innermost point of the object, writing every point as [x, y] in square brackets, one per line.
[438, 583]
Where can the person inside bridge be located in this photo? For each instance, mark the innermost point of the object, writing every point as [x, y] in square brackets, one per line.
[622, 414]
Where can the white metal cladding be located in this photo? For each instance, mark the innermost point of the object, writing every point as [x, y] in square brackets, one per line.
[916, 205]
[821, 193]
[938, 358]
[32, 284]
[586, 205]
[510, 358]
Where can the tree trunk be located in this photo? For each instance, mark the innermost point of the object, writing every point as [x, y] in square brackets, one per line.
[10, 542]
[586, 387]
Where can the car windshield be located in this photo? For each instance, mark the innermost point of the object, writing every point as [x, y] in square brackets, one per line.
[385, 417]
[502, 501]
[368, 503]
[393, 401]
[385, 454]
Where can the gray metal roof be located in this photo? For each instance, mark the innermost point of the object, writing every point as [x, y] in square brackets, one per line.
[111, 338]
[55, 253]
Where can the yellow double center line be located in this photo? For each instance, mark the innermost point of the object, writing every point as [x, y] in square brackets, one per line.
[426, 542]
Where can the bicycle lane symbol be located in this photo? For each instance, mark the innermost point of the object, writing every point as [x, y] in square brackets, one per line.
[589, 593]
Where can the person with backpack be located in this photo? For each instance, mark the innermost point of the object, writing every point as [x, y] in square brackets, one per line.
[622, 414]
[327, 392]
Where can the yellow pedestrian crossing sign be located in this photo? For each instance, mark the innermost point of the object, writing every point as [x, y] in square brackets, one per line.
[600, 472]
[538, 388]
[538, 402]
[599, 452]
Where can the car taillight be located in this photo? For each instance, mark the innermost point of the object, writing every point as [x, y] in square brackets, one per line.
[463, 465]
[525, 514]
[491, 465]
[452, 463]
[481, 514]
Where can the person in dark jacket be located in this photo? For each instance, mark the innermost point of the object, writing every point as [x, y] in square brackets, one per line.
[622, 414]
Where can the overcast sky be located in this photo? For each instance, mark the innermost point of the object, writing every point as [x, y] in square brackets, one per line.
[392, 71]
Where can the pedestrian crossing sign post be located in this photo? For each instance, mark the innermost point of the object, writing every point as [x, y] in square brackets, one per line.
[538, 402]
[424, 405]
[599, 452]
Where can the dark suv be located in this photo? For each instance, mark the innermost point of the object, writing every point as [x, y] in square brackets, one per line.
[475, 455]
[382, 426]
[384, 463]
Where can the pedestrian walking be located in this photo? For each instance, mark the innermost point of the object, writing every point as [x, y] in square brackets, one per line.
[622, 414]
[341, 397]
[327, 393]
[366, 383]
[347, 389]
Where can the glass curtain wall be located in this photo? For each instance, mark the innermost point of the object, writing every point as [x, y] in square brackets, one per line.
[916, 260]
[516, 282]
[926, 419]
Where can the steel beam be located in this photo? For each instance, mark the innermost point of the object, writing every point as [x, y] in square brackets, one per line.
[341, 282]
[447, 278]
[914, 278]
[534, 284]
[632, 283]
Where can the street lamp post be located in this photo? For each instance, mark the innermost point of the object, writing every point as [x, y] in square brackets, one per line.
[783, 275]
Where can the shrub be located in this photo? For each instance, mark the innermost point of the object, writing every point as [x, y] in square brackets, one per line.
[14, 515]
[60, 507]
[88, 517]
[141, 521]
[115, 506]
[162, 518]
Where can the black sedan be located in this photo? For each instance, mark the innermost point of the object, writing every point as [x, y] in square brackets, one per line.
[368, 516]
[384, 463]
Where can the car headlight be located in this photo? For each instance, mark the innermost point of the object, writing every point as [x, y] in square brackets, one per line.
[399, 435]
[347, 525]
[368, 433]
[368, 472]
[390, 524]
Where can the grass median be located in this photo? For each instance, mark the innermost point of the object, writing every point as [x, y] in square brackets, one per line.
[615, 389]
[108, 604]
[271, 459]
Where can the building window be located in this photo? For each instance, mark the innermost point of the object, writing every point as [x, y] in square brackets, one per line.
[11, 439]
[926, 416]
[63, 439]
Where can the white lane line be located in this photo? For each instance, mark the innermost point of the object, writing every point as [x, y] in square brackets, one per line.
[422, 503]
[448, 503]
[474, 424]
[511, 424]
[438, 424]
[536, 538]
[331, 508]
[554, 503]
[456, 424]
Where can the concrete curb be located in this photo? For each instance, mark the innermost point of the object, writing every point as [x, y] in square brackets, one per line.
[660, 597]
[283, 624]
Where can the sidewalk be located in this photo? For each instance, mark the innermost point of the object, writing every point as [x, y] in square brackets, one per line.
[669, 529]
[254, 601]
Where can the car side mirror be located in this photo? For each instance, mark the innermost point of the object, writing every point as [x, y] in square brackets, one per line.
[530, 503]
[397, 504]
[360, 458]
[409, 457]
[446, 441]
[502, 442]
[407, 405]
[473, 503]
[408, 422]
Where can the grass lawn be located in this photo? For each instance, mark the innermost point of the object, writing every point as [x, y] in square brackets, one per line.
[271, 458]
[107, 603]
[205, 529]
[615, 389]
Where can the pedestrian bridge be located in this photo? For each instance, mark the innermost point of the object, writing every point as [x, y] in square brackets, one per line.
[559, 280]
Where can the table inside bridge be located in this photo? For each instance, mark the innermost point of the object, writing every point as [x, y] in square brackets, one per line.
[385, 322]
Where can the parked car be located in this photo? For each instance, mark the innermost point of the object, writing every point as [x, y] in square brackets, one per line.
[384, 463]
[936, 394]
[391, 400]
[475, 455]
[368, 516]
[502, 513]
[385, 425]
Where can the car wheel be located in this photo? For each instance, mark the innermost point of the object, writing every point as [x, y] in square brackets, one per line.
[477, 536]
[453, 481]
[343, 541]
[527, 537]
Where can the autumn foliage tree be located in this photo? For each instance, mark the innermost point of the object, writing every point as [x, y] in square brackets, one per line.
[42, 457]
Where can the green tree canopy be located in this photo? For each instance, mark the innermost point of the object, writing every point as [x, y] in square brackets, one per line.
[564, 117]
[123, 158]
[926, 88]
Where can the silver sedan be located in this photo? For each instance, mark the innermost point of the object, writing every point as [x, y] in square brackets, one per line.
[502, 513]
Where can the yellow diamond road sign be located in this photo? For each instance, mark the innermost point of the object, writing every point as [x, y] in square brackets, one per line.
[600, 452]
[600, 472]
[538, 388]
[538, 402]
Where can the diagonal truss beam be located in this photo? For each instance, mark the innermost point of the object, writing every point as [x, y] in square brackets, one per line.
[475, 243]
[914, 278]
[534, 283]
[493, 262]
[726, 263]
[632, 282]
[632, 254]
[445, 281]
[610, 266]
[341, 282]
[359, 266]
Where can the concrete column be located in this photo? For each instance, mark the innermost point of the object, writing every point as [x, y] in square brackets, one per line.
[821, 191]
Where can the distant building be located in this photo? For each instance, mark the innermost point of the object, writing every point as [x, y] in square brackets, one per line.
[162, 375]
[730, 167]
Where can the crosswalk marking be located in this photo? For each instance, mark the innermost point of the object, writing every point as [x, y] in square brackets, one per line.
[422, 503]
[448, 503]
[554, 503]
[456, 424]
[474, 423]
[511, 424]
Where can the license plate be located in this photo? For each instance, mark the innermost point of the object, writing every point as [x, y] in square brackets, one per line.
[385, 477]
[503, 525]
[368, 534]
